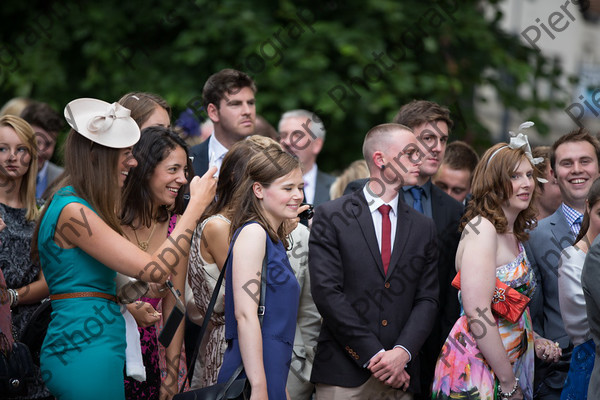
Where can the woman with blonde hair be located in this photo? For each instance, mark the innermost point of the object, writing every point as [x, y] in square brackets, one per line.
[19, 211]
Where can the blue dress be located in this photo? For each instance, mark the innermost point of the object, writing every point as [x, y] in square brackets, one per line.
[83, 354]
[279, 322]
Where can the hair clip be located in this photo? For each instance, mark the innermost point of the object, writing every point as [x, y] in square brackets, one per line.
[519, 140]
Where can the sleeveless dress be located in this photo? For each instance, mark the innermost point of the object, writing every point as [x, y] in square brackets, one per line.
[462, 371]
[202, 277]
[83, 354]
[279, 323]
[19, 271]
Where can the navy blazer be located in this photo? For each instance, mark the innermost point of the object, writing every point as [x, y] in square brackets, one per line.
[200, 154]
[363, 309]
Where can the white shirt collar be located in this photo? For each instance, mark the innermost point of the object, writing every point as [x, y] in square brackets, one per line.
[216, 152]
[375, 202]
[310, 184]
[42, 172]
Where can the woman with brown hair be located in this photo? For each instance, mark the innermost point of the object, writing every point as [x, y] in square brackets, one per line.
[152, 205]
[208, 252]
[81, 247]
[486, 355]
[151, 310]
[270, 193]
[147, 109]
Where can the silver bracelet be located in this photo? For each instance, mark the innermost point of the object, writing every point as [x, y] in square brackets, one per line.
[14, 298]
[507, 395]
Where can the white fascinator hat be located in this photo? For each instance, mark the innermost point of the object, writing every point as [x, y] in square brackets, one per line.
[107, 124]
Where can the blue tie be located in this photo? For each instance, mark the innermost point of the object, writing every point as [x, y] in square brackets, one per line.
[417, 192]
[577, 225]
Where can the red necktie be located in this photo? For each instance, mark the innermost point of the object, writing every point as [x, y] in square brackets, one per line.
[386, 231]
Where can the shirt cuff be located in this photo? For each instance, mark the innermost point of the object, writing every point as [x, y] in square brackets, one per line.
[405, 349]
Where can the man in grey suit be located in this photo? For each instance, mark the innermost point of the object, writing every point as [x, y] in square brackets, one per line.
[574, 162]
[308, 324]
[590, 281]
[302, 134]
[46, 124]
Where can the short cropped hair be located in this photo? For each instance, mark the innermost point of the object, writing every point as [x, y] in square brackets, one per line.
[576, 135]
[316, 125]
[375, 139]
[460, 155]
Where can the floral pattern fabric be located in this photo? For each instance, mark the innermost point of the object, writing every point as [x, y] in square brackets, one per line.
[462, 371]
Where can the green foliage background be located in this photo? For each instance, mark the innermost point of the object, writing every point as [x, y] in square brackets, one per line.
[55, 51]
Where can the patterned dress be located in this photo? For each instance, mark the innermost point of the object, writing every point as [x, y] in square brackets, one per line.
[19, 271]
[462, 371]
[202, 277]
[153, 354]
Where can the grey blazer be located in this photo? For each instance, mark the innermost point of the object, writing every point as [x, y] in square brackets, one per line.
[590, 281]
[543, 249]
[324, 182]
[308, 324]
[54, 172]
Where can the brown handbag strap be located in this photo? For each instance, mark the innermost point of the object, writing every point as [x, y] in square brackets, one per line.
[77, 295]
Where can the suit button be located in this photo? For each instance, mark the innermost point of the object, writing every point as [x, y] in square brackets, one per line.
[387, 285]
[356, 356]
[384, 322]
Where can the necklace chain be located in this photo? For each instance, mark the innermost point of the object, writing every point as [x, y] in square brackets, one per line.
[144, 244]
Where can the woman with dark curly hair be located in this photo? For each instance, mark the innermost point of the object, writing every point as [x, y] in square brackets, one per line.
[486, 355]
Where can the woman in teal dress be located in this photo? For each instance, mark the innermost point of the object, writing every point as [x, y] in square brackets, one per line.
[270, 194]
[80, 248]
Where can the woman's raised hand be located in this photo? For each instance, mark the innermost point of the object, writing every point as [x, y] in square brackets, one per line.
[202, 190]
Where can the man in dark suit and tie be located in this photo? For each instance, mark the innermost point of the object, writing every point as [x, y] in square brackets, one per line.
[373, 274]
[228, 98]
[431, 124]
[302, 134]
[574, 162]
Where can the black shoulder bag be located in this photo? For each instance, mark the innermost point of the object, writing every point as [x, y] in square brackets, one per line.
[16, 368]
[234, 388]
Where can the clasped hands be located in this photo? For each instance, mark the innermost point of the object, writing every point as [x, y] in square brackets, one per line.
[389, 368]
[547, 350]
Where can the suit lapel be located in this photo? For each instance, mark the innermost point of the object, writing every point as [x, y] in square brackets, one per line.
[403, 227]
[365, 222]
[560, 227]
[201, 158]
[319, 192]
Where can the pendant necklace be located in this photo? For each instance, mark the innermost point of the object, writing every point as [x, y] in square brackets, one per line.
[144, 245]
